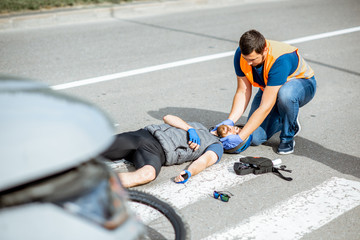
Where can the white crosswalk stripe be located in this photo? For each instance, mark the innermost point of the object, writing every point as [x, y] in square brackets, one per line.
[219, 176]
[306, 211]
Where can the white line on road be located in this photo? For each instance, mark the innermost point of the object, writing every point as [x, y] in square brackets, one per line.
[323, 35]
[301, 214]
[141, 71]
[188, 61]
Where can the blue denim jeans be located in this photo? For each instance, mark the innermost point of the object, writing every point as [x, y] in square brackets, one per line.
[292, 95]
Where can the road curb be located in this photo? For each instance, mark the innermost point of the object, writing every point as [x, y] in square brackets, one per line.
[96, 13]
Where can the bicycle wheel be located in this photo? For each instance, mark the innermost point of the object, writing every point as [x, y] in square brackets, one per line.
[161, 220]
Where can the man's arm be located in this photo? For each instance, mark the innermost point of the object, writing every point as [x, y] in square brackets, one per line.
[181, 124]
[176, 122]
[241, 98]
[204, 161]
[268, 101]
[240, 102]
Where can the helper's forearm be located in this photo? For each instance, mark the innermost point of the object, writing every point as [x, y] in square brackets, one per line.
[253, 123]
[267, 103]
[241, 98]
[238, 107]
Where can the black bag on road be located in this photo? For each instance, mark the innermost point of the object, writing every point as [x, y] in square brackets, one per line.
[259, 165]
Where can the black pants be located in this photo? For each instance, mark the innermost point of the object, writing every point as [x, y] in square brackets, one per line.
[138, 147]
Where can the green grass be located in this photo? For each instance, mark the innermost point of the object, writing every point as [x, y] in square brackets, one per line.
[7, 6]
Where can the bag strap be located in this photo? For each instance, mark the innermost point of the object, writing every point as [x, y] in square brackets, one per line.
[282, 168]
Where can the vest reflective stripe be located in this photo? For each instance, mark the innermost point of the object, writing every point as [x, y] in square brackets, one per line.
[303, 70]
[275, 50]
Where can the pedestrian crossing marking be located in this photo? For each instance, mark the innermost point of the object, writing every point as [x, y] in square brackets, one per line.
[218, 176]
[299, 215]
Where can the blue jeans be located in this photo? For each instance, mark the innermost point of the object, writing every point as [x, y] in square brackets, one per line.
[292, 95]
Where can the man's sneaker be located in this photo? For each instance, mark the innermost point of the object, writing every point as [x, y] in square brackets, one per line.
[286, 148]
[298, 126]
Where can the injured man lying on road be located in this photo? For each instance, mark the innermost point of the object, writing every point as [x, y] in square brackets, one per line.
[173, 142]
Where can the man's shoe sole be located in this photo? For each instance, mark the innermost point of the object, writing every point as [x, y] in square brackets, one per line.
[284, 153]
[298, 123]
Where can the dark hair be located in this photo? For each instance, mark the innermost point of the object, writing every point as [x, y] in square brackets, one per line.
[250, 41]
[222, 131]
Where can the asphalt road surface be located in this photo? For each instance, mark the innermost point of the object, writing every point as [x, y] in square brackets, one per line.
[139, 68]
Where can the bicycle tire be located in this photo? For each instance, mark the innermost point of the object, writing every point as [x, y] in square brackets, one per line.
[179, 227]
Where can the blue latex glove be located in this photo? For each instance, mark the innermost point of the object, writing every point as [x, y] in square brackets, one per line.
[231, 141]
[193, 136]
[186, 176]
[226, 122]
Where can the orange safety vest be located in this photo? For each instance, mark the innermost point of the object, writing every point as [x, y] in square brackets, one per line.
[275, 50]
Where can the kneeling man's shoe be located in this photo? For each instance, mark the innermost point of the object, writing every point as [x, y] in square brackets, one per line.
[286, 148]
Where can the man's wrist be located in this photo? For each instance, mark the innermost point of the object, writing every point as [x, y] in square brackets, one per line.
[231, 119]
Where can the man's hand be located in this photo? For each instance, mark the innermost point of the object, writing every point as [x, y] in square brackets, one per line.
[194, 139]
[183, 177]
[226, 122]
[231, 141]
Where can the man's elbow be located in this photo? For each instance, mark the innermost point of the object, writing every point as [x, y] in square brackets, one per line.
[212, 158]
[167, 117]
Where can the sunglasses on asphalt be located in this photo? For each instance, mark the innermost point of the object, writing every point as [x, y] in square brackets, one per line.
[223, 196]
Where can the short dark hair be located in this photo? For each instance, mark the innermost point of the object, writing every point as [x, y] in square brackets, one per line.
[222, 130]
[252, 40]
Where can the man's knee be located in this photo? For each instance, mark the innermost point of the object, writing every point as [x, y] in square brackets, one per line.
[288, 93]
[259, 137]
[256, 141]
[285, 95]
[148, 173]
